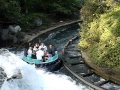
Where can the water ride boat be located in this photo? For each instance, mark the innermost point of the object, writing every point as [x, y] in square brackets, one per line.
[52, 64]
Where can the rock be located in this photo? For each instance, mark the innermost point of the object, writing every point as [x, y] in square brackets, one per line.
[17, 75]
[20, 36]
[38, 22]
[17, 28]
[14, 29]
[3, 76]
[12, 33]
[61, 21]
[13, 38]
[4, 34]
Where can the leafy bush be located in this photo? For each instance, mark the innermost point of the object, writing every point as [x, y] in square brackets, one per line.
[103, 34]
[84, 44]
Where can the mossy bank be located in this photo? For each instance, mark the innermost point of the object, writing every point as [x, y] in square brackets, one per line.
[100, 32]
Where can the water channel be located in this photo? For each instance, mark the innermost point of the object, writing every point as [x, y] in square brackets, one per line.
[41, 79]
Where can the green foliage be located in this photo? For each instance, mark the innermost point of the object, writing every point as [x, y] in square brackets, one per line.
[102, 33]
[10, 10]
[23, 12]
[112, 57]
[84, 44]
[28, 21]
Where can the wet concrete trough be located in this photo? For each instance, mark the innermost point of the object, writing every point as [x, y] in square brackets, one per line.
[75, 64]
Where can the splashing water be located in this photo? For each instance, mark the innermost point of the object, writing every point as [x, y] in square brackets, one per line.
[32, 79]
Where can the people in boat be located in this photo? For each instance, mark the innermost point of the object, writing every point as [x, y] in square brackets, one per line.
[39, 54]
[43, 46]
[30, 51]
[25, 52]
[26, 47]
[36, 46]
[34, 55]
[47, 56]
[51, 50]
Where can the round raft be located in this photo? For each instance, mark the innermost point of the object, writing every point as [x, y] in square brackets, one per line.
[52, 64]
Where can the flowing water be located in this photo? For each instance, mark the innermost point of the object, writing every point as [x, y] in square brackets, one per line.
[38, 79]
[32, 79]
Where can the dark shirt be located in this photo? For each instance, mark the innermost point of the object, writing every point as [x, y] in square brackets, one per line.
[51, 51]
[34, 56]
[25, 52]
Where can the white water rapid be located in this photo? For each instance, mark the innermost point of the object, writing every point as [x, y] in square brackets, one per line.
[32, 79]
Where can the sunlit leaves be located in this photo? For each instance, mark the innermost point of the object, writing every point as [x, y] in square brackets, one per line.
[84, 44]
[102, 33]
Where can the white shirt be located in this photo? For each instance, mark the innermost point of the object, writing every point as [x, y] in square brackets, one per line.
[35, 49]
[29, 52]
[39, 54]
[45, 48]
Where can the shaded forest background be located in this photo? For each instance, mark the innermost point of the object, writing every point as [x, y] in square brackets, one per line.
[24, 12]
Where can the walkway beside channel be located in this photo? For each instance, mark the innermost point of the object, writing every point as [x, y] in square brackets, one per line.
[76, 65]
